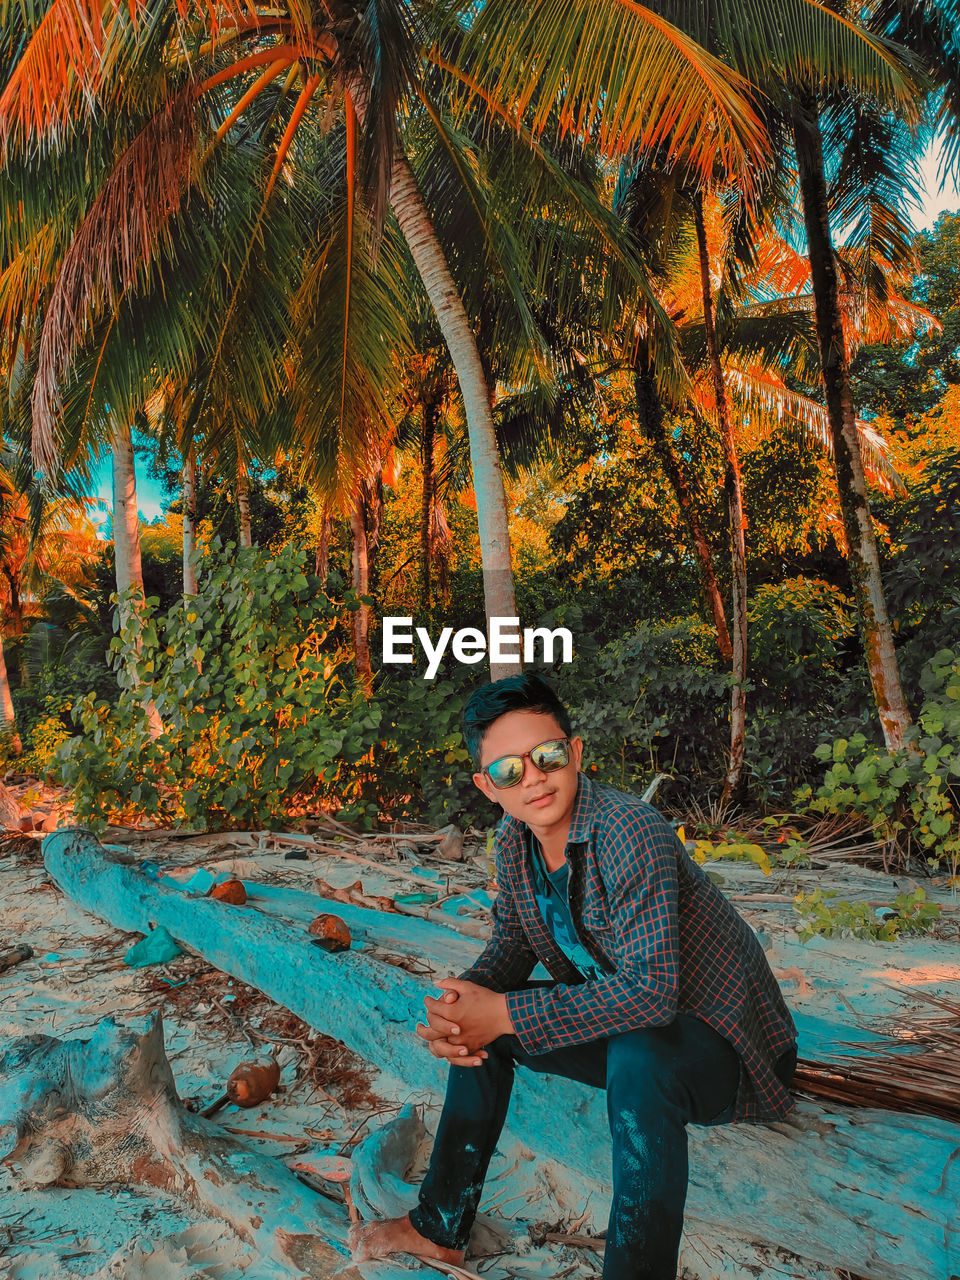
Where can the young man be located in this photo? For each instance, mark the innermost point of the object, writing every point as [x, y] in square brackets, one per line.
[662, 994]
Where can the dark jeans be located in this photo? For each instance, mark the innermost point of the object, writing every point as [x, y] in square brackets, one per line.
[658, 1080]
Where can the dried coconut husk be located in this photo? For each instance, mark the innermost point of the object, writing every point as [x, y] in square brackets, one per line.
[230, 891]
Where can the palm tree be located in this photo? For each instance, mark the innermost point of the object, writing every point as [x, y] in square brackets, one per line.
[708, 257]
[650, 412]
[126, 516]
[378, 69]
[428, 399]
[862, 554]
[732, 481]
[660, 204]
[844, 54]
[799, 41]
[189, 523]
[857, 165]
[8, 718]
[867, 146]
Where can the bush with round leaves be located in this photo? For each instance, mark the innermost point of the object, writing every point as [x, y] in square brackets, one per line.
[910, 796]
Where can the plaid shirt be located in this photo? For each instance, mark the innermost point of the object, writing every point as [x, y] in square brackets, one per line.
[665, 935]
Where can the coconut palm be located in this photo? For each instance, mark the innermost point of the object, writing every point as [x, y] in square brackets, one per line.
[791, 47]
[857, 166]
[428, 386]
[757, 389]
[237, 55]
[776, 64]
[662, 206]
[739, 366]
[854, 155]
[214, 410]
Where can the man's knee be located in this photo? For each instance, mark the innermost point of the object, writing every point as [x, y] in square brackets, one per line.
[642, 1060]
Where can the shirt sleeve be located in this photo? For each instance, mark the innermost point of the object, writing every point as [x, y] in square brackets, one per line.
[639, 849]
[507, 960]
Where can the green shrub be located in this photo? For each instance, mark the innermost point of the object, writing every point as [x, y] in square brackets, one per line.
[260, 706]
[921, 570]
[822, 912]
[797, 633]
[255, 708]
[55, 689]
[911, 796]
[422, 767]
[45, 741]
[651, 701]
[44, 711]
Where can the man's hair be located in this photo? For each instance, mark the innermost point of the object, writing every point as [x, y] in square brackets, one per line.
[524, 692]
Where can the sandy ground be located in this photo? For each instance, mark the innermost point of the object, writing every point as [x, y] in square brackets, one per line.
[838, 988]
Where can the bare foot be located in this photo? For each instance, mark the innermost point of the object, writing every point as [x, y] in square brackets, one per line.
[396, 1235]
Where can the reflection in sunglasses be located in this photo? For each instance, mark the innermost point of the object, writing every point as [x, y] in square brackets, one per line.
[546, 756]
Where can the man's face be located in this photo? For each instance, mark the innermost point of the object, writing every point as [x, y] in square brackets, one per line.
[539, 799]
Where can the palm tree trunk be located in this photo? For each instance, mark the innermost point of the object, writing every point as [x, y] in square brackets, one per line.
[493, 524]
[427, 453]
[7, 714]
[492, 519]
[372, 491]
[650, 412]
[126, 520]
[243, 509]
[189, 524]
[862, 556]
[15, 625]
[733, 490]
[323, 548]
[126, 536]
[361, 582]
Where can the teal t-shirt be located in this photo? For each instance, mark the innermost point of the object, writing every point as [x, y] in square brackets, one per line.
[552, 899]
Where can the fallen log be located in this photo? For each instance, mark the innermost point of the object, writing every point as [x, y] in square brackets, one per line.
[862, 1189]
[81, 1113]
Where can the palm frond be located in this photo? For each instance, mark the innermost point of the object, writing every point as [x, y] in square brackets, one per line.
[73, 51]
[929, 29]
[390, 42]
[622, 76]
[791, 44]
[874, 179]
[110, 250]
[343, 400]
[771, 404]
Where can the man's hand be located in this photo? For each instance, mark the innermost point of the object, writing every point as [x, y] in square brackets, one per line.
[479, 1017]
[460, 1035]
[443, 1035]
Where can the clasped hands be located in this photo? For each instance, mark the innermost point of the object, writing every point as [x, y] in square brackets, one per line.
[463, 1020]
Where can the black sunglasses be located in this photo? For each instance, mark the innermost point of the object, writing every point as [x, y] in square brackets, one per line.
[547, 757]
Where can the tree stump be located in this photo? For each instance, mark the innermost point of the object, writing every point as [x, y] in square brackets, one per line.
[11, 811]
[90, 1113]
